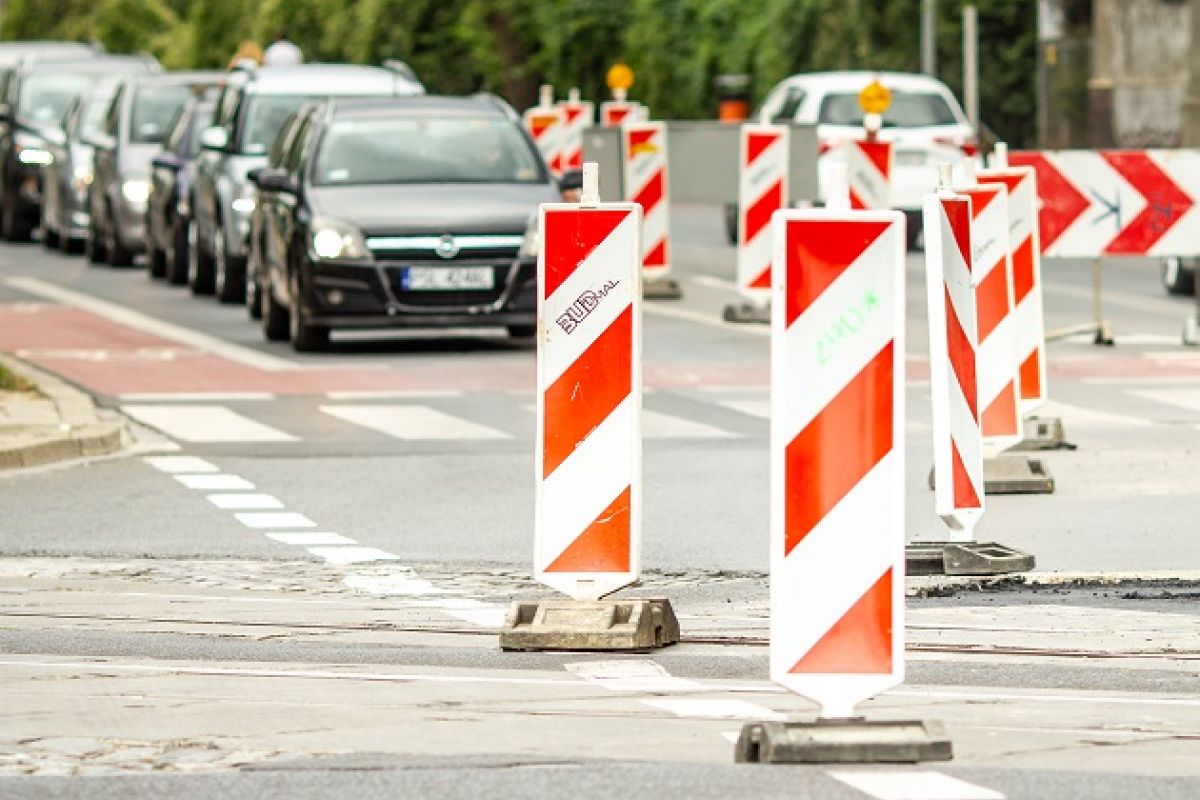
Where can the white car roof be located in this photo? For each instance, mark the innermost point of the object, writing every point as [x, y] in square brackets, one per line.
[856, 80]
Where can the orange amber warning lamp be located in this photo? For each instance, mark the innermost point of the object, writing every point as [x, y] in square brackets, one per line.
[619, 77]
[874, 98]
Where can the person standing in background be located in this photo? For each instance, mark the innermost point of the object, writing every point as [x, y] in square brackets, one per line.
[282, 53]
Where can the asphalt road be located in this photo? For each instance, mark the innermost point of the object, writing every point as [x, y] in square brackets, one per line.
[317, 524]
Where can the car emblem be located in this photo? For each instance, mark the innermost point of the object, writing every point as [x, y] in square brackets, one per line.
[447, 247]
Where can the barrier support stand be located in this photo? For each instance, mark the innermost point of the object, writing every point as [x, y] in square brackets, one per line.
[1099, 325]
[588, 456]
[661, 289]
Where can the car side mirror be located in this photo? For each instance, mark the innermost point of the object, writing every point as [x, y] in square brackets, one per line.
[214, 138]
[253, 174]
[275, 180]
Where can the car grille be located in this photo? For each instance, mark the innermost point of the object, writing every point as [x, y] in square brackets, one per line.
[444, 248]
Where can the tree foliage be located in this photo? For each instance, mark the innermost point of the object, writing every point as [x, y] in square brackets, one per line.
[677, 47]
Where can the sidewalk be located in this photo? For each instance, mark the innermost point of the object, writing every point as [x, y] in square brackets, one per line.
[43, 420]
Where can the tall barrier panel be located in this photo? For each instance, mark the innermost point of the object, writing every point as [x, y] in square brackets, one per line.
[578, 116]
[869, 171]
[762, 189]
[646, 184]
[545, 125]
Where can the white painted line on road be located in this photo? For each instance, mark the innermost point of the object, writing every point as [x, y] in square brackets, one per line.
[1114, 297]
[713, 283]
[397, 394]
[274, 519]
[1086, 699]
[245, 502]
[1180, 398]
[215, 482]
[710, 320]
[404, 583]
[352, 555]
[311, 538]
[714, 708]
[1166, 380]
[174, 464]
[415, 423]
[631, 675]
[918, 785]
[656, 425]
[147, 324]
[753, 408]
[205, 424]
[487, 616]
[192, 397]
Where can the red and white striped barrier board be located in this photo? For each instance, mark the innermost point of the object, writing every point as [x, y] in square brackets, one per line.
[619, 112]
[1021, 183]
[644, 145]
[1117, 202]
[950, 294]
[869, 171]
[545, 125]
[588, 456]
[991, 267]
[578, 116]
[837, 455]
[762, 190]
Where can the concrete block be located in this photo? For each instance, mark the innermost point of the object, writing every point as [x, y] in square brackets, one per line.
[1043, 433]
[747, 313]
[843, 741]
[564, 624]
[1012, 474]
[965, 558]
[662, 289]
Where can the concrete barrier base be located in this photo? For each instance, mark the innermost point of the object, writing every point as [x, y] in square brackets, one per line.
[747, 313]
[965, 558]
[564, 624]
[1013, 474]
[662, 289]
[843, 741]
[1043, 433]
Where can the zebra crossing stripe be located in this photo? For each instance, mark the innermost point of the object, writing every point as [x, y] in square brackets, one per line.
[412, 422]
[205, 424]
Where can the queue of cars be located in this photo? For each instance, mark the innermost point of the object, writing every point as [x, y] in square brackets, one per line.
[323, 196]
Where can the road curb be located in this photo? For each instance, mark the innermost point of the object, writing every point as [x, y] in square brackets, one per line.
[81, 432]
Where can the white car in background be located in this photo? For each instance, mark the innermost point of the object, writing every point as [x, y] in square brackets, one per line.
[924, 120]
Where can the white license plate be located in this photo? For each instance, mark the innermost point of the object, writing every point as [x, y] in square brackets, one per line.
[440, 279]
[910, 158]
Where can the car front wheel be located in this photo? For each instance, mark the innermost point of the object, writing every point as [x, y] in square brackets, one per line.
[305, 337]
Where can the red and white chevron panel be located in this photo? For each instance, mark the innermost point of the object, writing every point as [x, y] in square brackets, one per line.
[589, 452]
[991, 260]
[837, 455]
[950, 296]
[1117, 202]
[1021, 183]
[619, 112]
[644, 145]
[762, 190]
[869, 171]
[578, 116]
[546, 126]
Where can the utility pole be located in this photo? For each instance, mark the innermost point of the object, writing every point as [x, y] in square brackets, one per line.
[1191, 104]
[929, 37]
[970, 33]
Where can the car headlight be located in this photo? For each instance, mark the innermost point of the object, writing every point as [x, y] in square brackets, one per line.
[334, 239]
[136, 190]
[532, 239]
[247, 198]
[81, 177]
[32, 150]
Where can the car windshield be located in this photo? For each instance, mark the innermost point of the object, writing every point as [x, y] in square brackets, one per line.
[908, 110]
[266, 116]
[44, 98]
[154, 109]
[425, 151]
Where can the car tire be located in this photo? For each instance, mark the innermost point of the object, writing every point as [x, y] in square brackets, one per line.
[305, 337]
[522, 331]
[253, 293]
[1178, 279]
[276, 324]
[71, 245]
[50, 238]
[177, 252]
[156, 263]
[93, 246]
[118, 255]
[730, 213]
[225, 283]
[200, 264]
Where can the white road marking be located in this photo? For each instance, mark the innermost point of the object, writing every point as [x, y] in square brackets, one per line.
[921, 785]
[245, 502]
[192, 397]
[753, 408]
[713, 283]
[714, 708]
[413, 422]
[175, 464]
[215, 482]
[656, 425]
[203, 423]
[274, 519]
[487, 616]
[1180, 398]
[311, 538]
[397, 394]
[1086, 699]
[352, 555]
[156, 327]
[631, 675]
[400, 583]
